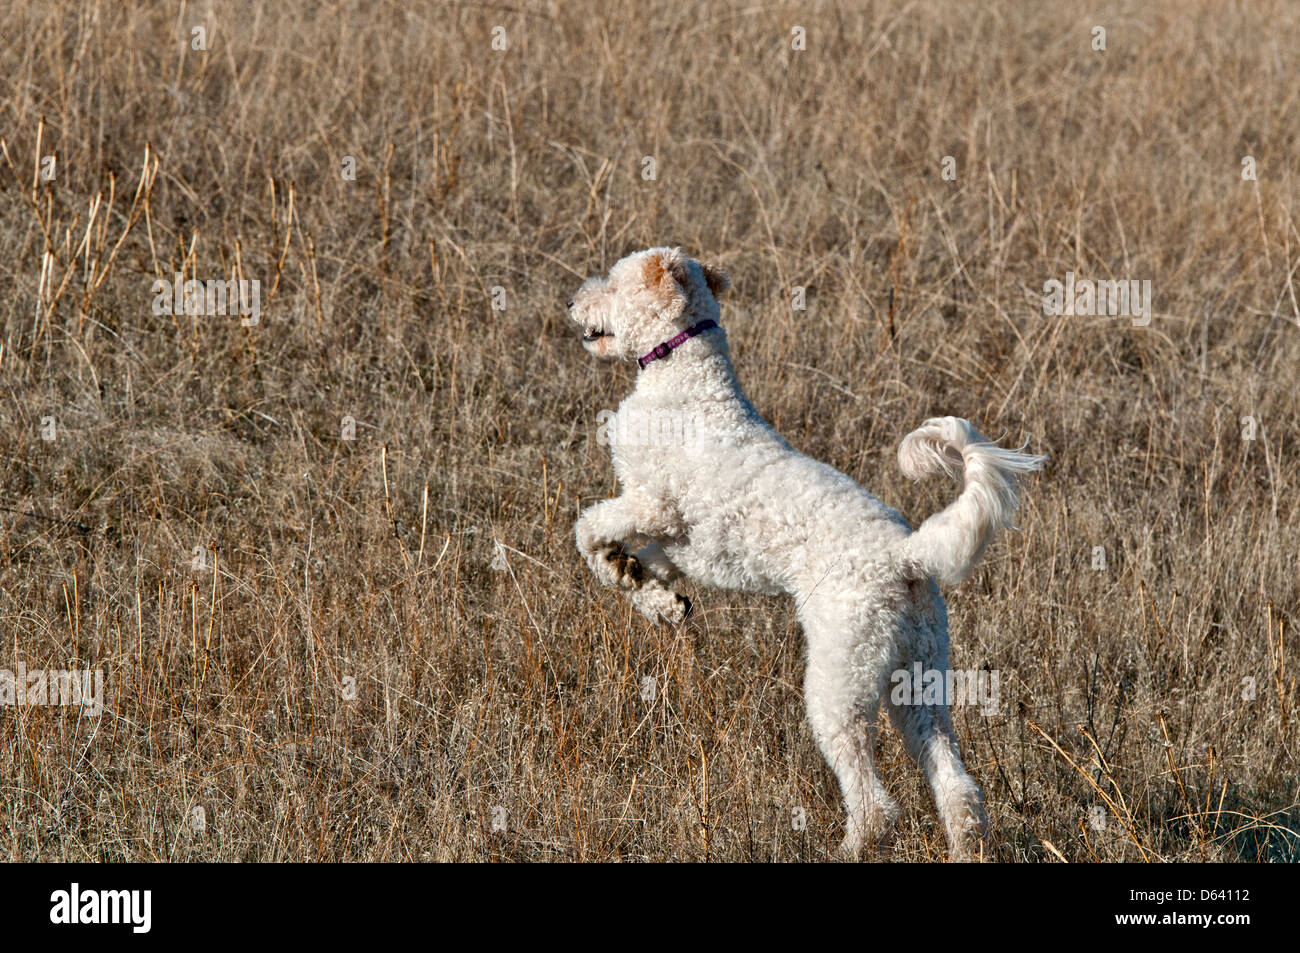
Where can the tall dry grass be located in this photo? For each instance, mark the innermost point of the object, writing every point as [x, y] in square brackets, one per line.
[501, 706]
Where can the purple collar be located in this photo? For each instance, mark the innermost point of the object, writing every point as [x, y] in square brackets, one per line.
[667, 347]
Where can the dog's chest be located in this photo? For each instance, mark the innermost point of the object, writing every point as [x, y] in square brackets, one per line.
[644, 436]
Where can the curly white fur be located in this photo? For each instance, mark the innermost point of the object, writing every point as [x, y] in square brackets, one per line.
[949, 543]
[736, 507]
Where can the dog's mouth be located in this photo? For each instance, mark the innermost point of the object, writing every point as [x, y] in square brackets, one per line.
[591, 335]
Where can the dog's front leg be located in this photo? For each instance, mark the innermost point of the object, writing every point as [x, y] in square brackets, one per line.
[604, 531]
[607, 530]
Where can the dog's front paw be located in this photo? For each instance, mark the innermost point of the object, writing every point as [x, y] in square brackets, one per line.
[658, 603]
[681, 610]
[613, 566]
[628, 571]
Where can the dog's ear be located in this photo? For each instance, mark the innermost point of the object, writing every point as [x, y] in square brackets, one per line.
[665, 272]
[715, 278]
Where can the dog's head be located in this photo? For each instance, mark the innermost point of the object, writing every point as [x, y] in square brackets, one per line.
[649, 296]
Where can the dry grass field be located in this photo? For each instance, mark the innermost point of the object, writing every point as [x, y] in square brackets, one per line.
[374, 639]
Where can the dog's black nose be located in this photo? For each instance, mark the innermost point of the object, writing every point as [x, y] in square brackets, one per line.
[568, 302]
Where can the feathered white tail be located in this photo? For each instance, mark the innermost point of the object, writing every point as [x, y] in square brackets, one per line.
[949, 544]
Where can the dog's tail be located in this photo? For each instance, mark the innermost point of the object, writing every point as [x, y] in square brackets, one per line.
[949, 544]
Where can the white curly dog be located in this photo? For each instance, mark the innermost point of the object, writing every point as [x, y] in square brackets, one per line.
[728, 503]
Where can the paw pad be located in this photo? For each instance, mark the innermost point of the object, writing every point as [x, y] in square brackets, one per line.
[628, 569]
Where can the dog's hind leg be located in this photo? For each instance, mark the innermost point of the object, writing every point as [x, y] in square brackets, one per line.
[843, 684]
[927, 733]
